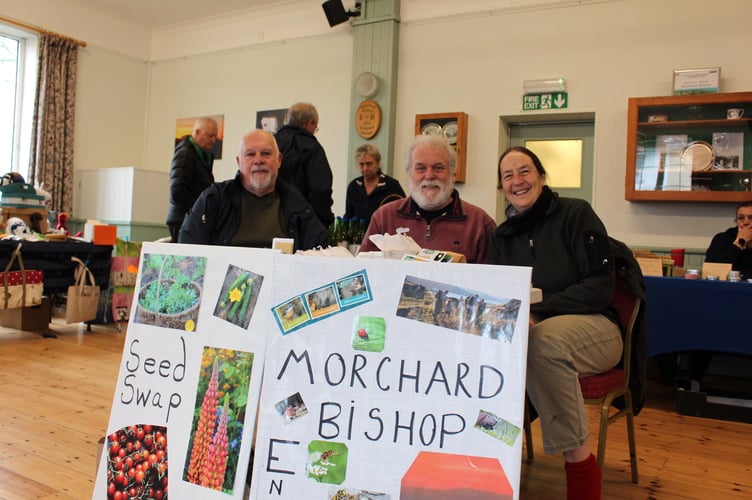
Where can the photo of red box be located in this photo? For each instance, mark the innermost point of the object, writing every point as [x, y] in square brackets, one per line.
[457, 477]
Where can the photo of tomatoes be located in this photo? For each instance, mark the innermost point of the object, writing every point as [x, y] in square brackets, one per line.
[137, 463]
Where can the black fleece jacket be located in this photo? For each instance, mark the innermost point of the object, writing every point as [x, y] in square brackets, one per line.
[567, 246]
[215, 216]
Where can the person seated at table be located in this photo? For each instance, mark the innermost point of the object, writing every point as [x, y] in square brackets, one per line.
[434, 214]
[373, 188]
[573, 331]
[256, 206]
[734, 245]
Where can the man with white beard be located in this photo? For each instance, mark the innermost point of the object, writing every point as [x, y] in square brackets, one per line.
[256, 206]
[434, 214]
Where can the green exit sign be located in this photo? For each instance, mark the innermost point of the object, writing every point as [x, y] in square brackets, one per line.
[553, 100]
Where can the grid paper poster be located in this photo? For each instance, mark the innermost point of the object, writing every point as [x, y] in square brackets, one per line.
[393, 380]
[185, 402]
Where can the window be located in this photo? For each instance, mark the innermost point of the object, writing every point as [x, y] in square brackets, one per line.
[18, 68]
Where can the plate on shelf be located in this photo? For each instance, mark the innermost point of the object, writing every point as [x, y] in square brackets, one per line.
[450, 132]
[431, 129]
[699, 155]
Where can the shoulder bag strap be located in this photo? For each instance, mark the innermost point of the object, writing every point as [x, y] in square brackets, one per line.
[6, 293]
[82, 273]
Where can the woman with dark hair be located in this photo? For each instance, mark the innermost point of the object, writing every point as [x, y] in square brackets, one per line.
[573, 331]
[373, 188]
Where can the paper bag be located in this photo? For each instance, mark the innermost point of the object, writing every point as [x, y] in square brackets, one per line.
[83, 297]
[20, 288]
[124, 267]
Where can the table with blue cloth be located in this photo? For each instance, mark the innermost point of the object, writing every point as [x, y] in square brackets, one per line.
[699, 318]
[689, 315]
[53, 258]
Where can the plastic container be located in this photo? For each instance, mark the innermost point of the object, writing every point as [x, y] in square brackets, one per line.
[692, 274]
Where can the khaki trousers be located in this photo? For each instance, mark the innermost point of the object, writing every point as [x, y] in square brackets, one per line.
[560, 349]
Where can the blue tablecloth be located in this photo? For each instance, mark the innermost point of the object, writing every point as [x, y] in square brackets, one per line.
[688, 315]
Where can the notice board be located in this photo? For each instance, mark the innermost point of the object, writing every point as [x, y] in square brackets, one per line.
[385, 378]
[393, 380]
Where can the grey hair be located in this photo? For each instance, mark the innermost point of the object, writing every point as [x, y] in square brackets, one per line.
[368, 149]
[434, 140]
[301, 113]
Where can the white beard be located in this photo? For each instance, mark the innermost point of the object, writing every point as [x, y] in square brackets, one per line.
[261, 183]
[433, 201]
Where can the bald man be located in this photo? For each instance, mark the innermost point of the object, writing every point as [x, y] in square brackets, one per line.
[256, 206]
[190, 171]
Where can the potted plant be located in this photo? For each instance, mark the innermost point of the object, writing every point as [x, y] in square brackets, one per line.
[170, 294]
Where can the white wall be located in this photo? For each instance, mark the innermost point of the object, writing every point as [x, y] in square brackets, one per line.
[239, 83]
[76, 20]
[474, 62]
[607, 52]
[111, 108]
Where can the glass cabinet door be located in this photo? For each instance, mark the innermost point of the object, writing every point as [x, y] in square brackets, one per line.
[690, 148]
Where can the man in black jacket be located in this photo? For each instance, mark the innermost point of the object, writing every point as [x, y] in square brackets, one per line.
[190, 171]
[304, 163]
[734, 245]
[255, 207]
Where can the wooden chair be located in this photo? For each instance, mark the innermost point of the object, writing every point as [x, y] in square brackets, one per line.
[602, 389]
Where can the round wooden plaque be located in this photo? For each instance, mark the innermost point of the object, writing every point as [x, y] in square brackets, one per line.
[368, 119]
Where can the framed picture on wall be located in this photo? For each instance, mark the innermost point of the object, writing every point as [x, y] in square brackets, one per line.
[271, 120]
[184, 126]
[453, 126]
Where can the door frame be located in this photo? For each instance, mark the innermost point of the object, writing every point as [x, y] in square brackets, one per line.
[506, 122]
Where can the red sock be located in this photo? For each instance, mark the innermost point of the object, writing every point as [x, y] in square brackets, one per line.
[583, 479]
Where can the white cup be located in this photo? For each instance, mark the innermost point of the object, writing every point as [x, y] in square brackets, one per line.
[734, 113]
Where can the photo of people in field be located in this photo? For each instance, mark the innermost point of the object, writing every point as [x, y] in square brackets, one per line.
[456, 308]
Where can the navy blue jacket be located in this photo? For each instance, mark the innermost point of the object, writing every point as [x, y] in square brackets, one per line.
[215, 216]
[304, 165]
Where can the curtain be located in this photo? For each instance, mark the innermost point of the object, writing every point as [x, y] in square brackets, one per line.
[52, 126]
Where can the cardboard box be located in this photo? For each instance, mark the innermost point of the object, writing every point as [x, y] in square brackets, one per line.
[100, 234]
[25, 215]
[27, 318]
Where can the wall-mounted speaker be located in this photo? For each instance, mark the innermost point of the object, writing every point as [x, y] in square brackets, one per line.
[335, 12]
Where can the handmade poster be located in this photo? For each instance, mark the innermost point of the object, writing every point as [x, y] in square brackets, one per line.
[389, 379]
[184, 409]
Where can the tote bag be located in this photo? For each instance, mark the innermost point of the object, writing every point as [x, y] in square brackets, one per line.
[83, 297]
[21, 288]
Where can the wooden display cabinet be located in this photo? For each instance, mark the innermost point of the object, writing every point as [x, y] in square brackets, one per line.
[690, 148]
[453, 126]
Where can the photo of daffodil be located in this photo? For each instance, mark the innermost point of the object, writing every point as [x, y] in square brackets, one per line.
[237, 299]
[170, 291]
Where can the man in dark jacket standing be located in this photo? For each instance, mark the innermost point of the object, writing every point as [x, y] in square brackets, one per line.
[255, 207]
[304, 163]
[190, 171]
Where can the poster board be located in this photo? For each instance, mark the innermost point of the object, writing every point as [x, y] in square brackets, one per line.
[395, 372]
[391, 379]
[187, 391]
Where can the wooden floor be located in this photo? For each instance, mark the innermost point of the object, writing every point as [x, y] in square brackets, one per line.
[56, 393]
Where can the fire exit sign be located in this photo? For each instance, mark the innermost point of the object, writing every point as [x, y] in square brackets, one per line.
[553, 100]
